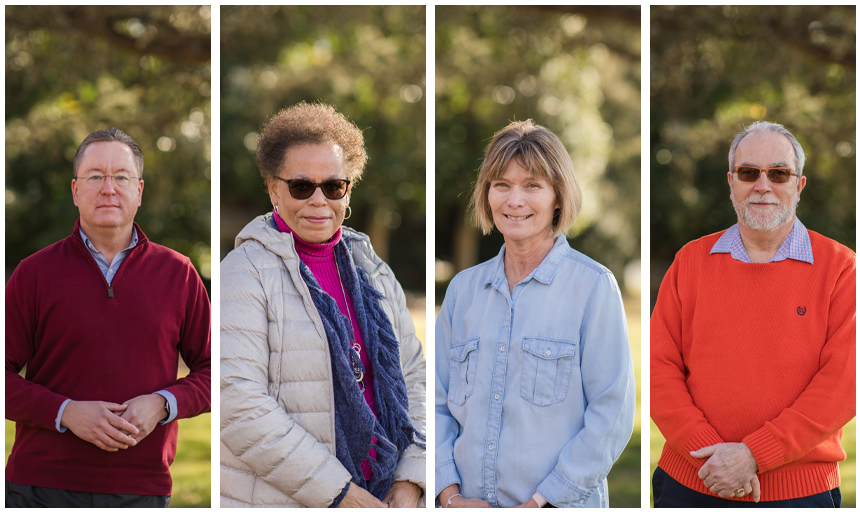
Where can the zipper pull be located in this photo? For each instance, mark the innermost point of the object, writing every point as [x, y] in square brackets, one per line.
[110, 291]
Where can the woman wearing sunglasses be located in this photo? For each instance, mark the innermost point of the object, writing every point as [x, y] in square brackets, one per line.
[322, 377]
[535, 392]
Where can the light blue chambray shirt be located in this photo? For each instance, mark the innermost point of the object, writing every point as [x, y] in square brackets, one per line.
[109, 270]
[796, 245]
[534, 389]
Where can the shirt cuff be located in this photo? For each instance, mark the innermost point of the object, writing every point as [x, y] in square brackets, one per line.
[446, 474]
[61, 428]
[340, 497]
[171, 402]
[563, 494]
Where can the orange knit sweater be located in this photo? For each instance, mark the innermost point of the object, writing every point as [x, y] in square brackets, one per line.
[757, 353]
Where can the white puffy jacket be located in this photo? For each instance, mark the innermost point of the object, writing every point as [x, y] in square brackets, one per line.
[277, 404]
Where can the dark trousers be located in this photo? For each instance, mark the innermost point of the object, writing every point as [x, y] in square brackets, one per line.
[668, 493]
[27, 496]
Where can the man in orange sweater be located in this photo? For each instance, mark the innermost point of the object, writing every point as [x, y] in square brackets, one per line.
[753, 347]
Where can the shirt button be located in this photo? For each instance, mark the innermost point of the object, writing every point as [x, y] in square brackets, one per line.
[502, 349]
[492, 447]
[549, 352]
[582, 500]
[110, 271]
[490, 495]
[496, 396]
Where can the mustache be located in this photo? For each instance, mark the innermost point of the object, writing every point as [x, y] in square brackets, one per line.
[765, 199]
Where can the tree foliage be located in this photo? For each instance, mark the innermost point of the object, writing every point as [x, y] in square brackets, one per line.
[573, 69]
[715, 70]
[71, 70]
[369, 62]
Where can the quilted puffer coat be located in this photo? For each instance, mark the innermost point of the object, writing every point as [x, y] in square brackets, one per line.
[277, 403]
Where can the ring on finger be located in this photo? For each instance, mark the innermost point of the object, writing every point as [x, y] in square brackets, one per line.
[739, 491]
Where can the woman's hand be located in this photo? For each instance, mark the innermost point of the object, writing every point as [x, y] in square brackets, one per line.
[403, 495]
[356, 497]
[531, 503]
[458, 501]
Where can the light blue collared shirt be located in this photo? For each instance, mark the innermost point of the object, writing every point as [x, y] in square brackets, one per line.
[109, 271]
[535, 389]
[796, 245]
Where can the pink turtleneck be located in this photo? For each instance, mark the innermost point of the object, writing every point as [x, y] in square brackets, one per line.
[320, 260]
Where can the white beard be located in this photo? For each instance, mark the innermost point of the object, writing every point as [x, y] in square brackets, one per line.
[768, 219]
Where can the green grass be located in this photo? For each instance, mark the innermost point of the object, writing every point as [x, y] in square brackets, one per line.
[847, 468]
[625, 477]
[192, 470]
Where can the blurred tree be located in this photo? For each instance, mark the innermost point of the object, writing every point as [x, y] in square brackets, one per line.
[573, 69]
[71, 70]
[369, 62]
[715, 70]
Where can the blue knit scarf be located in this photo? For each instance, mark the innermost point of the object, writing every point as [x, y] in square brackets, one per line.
[355, 424]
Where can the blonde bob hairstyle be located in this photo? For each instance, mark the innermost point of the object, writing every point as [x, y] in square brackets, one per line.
[537, 149]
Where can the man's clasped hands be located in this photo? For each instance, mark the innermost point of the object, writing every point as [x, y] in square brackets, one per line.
[111, 426]
[730, 471]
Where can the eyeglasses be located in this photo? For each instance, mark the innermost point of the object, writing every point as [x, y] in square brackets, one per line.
[303, 189]
[97, 180]
[750, 174]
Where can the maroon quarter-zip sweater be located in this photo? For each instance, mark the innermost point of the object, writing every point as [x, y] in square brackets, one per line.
[83, 340]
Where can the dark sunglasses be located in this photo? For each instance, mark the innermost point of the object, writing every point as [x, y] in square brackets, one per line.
[303, 189]
[750, 174]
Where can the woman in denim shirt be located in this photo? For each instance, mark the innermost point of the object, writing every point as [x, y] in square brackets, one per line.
[535, 392]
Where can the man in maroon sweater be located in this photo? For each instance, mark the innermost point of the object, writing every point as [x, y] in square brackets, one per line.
[100, 320]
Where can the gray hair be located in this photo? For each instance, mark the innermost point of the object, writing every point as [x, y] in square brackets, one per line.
[112, 135]
[765, 126]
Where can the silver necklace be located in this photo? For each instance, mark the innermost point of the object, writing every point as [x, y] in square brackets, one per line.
[356, 348]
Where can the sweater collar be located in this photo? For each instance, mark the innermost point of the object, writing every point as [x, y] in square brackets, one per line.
[316, 250]
[139, 234]
[796, 246]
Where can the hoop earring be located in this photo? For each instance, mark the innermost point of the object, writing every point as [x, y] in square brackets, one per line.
[348, 212]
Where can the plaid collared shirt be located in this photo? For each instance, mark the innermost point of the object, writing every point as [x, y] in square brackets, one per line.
[795, 246]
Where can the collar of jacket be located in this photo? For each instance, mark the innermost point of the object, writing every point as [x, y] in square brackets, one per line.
[284, 245]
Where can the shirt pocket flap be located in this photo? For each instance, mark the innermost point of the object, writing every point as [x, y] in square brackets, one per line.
[546, 348]
[459, 353]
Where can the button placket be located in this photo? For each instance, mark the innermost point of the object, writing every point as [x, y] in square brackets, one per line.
[494, 424]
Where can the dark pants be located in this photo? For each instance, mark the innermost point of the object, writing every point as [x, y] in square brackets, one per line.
[27, 496]
[668, 493]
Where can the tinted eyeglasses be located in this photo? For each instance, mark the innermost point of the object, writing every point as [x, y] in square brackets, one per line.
[750, 174]
[303, 189]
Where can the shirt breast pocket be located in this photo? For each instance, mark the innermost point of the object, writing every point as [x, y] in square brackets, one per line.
[547, 368]
[464, 369]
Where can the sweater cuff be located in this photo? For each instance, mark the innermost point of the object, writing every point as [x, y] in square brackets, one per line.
[341, 496]
[707, 437]
[765, 448]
